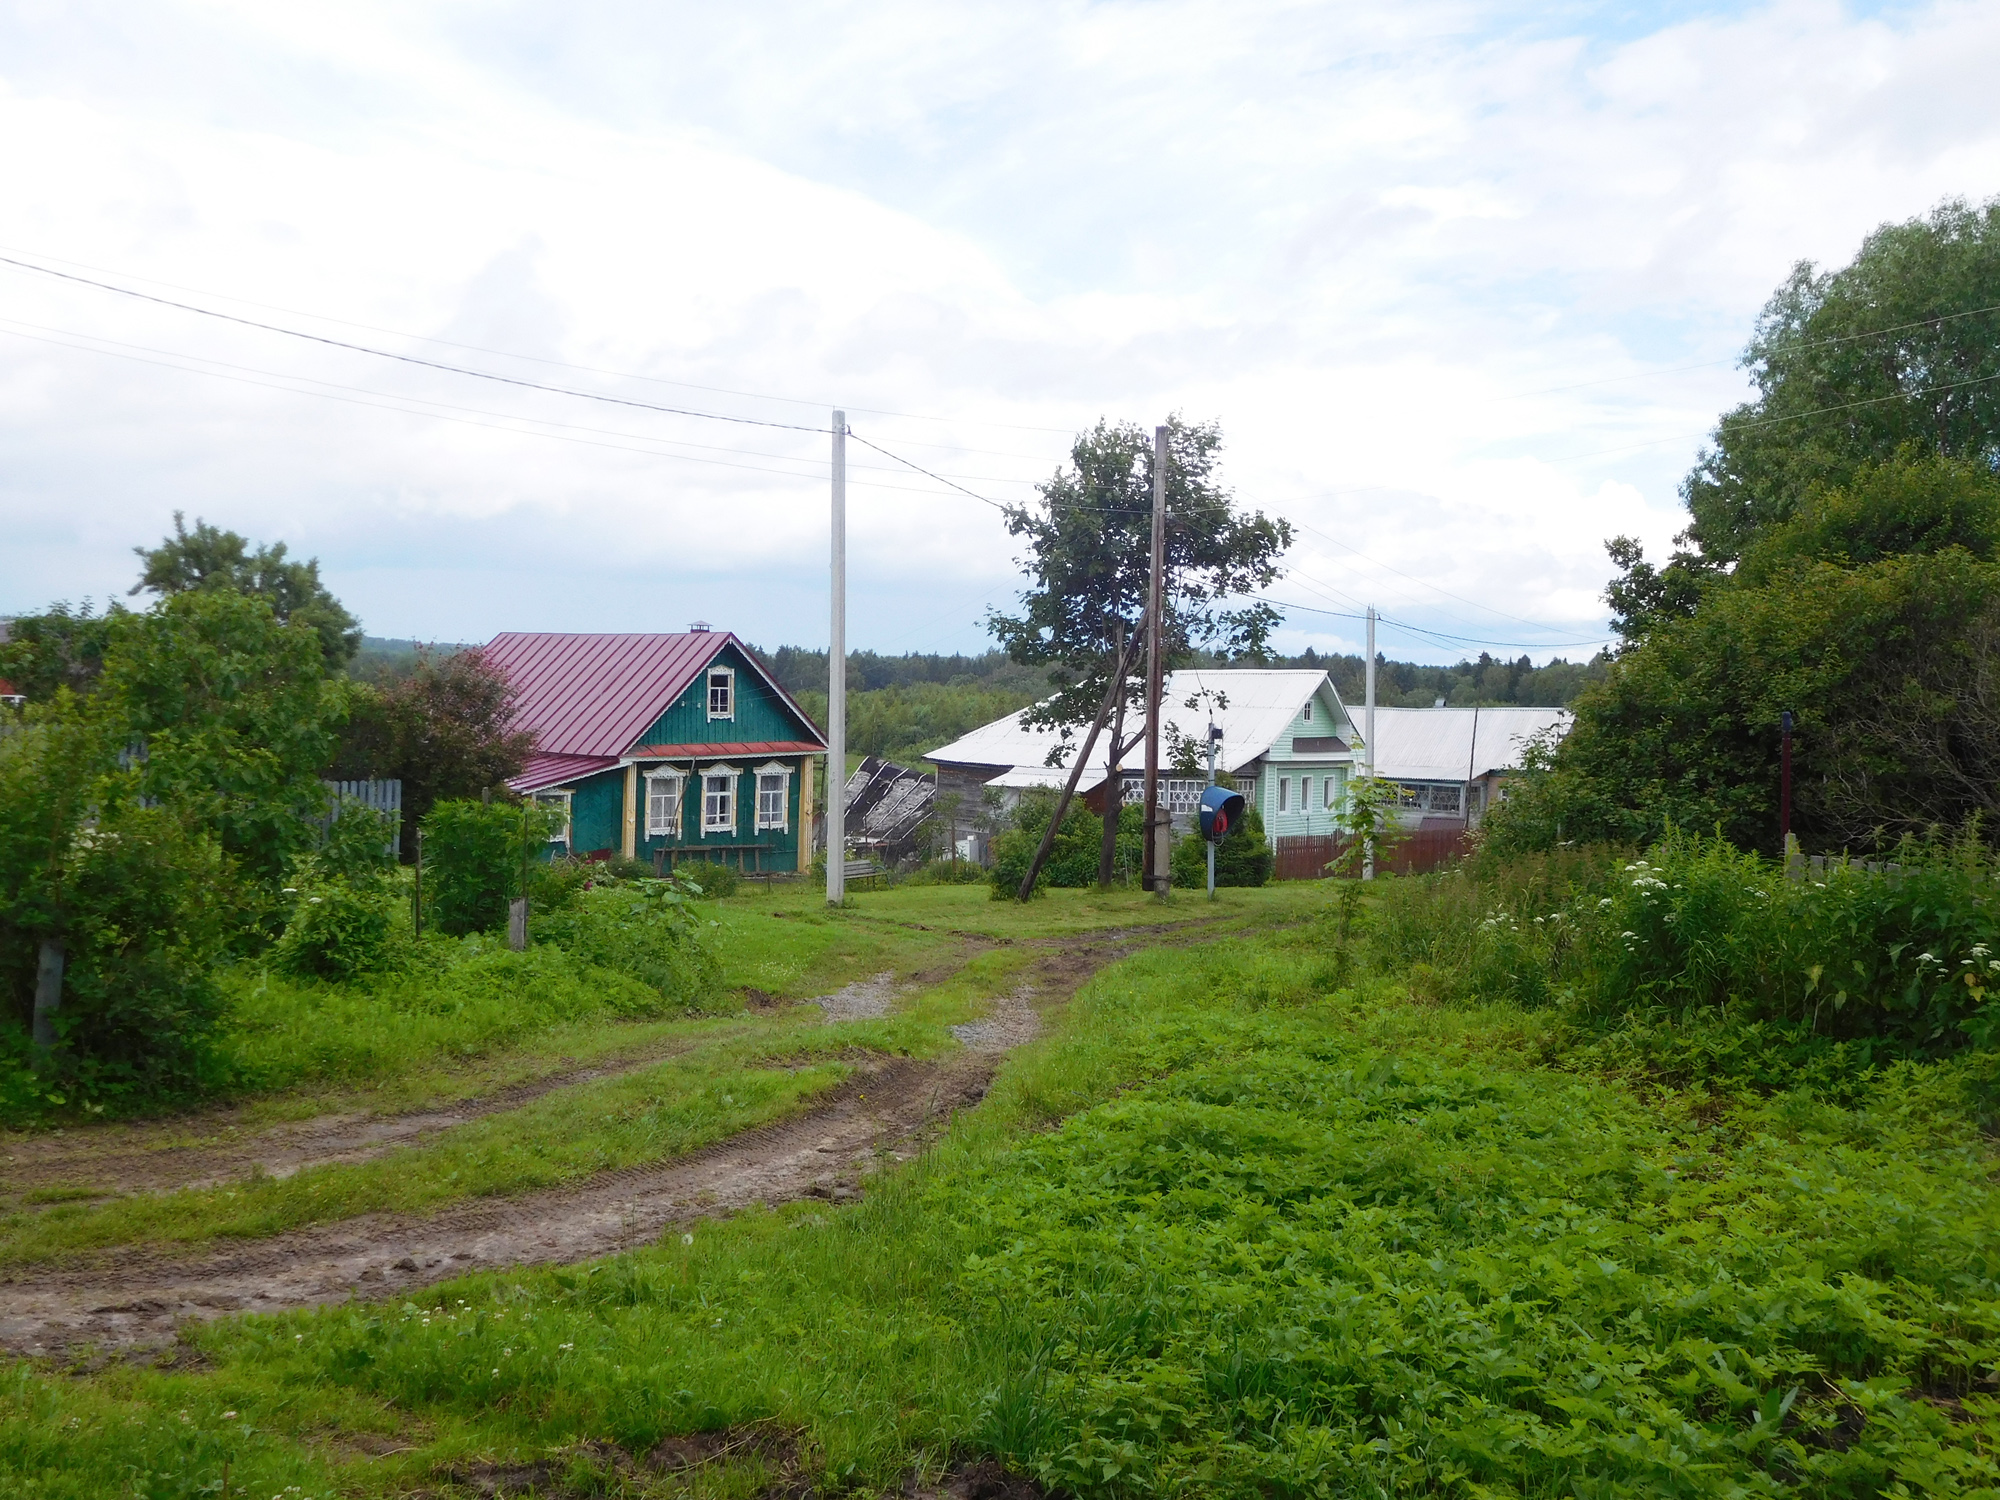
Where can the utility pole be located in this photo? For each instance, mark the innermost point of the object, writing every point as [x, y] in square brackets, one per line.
[836, 681]
[1368, 743]
[1214, 741]
[1785, 789]
[1155, 874]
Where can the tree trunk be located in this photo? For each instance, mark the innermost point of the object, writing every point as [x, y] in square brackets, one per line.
[48, 999]
[1075, 775]
[1114, 793]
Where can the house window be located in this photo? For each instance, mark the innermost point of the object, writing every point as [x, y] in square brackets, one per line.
[1284, 793]
[1330, 789]
[1305, 794]
[718, 800]
[721, 693]
[559, 803]
[1308, 715]
[663, 803]
[774, 786]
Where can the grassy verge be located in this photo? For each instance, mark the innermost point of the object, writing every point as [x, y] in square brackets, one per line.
[1230, 1230]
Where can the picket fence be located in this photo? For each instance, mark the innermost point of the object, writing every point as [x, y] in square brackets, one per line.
[383, 798]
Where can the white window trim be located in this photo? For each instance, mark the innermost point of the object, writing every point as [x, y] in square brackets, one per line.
[1307, 714]
[1284, 794]
[784, 823]
[668, 827]
[719, 772]
[1330, 795]
[708, 691]
[551, 799]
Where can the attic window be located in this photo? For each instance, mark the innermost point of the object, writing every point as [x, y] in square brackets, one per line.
[721, 692]
[1308, 715]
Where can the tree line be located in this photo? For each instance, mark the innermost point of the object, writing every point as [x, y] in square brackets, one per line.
[1841, 563]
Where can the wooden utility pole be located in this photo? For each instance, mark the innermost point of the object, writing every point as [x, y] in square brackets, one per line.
[1156, 874]
[1368, 743]
[836, 682]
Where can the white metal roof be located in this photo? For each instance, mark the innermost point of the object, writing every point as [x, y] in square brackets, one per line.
[1437, 744]
[1260, 707]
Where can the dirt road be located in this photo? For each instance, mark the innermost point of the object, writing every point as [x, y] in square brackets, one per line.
[888, 1111]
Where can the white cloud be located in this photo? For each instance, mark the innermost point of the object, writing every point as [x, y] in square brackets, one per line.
[1410, 256]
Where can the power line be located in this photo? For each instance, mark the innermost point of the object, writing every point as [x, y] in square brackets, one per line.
[390, 404]
[720, 390]
[926, 472]
[1420, 630]
[408, 359]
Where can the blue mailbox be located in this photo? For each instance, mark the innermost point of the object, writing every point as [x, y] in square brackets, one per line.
[1220, 808]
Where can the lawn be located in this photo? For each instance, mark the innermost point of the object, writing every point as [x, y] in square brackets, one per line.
[1247, 1219]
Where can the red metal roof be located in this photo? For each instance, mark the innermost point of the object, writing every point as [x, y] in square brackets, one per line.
[593, 695]
[552, 770]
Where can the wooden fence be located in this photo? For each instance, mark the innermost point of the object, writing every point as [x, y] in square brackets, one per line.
[1306, 856]
[383, 798]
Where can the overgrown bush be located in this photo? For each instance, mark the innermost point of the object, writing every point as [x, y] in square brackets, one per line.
[711, 877]
[1073, 857]
[1890, 960]
[339, 928]
[1243, 857]
[646, 929]
[477, 857]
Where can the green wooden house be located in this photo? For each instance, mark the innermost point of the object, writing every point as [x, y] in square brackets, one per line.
[664, 748]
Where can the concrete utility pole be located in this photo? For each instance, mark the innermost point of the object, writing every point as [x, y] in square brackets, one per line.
[836, 681]
[1368, 741]
[1214, 742]
[1156, 873]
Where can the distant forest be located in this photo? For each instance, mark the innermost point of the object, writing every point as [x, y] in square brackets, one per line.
[899, 707]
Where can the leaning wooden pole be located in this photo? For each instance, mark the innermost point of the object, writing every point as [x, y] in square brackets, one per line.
[1111, 696]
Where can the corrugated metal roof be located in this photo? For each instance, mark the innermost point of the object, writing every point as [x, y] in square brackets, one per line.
[553, 770]
[593, 695]
[1261, 706]
[723, 749]
[1436, 744]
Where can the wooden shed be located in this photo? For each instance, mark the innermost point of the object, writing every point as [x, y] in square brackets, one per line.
[664, 747]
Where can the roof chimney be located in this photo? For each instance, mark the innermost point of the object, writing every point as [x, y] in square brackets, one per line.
[699, 627]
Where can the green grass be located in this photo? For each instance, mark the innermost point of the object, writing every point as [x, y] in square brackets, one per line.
[1227, 1230]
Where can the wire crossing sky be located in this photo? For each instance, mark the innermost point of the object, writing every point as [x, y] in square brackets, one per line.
[1463, 284]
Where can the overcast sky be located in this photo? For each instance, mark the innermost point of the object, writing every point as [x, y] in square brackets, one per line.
[1463, 283]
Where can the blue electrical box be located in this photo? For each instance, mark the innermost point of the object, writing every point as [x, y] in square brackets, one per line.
[1220, 808]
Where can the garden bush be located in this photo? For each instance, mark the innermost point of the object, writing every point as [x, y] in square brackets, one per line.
[644, 929]
[1243, 857]
[340, 928]
[1073, 856]
[476, 858]
[1895, 959]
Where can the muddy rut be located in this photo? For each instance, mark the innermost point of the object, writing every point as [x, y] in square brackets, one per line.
[888, 1110]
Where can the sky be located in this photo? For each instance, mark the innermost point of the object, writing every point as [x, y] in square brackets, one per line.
[1464, 284]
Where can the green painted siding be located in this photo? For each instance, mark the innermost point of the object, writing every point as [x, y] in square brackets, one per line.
[761, 715]
[597, 813]
[745, 845]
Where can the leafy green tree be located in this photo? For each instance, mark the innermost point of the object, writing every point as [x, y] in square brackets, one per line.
[1898, 350]
[1890, 663]
[229, 714]
[208, 558]
[62, 647]
[1088, 562]
[113, 911]
[445, 729]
